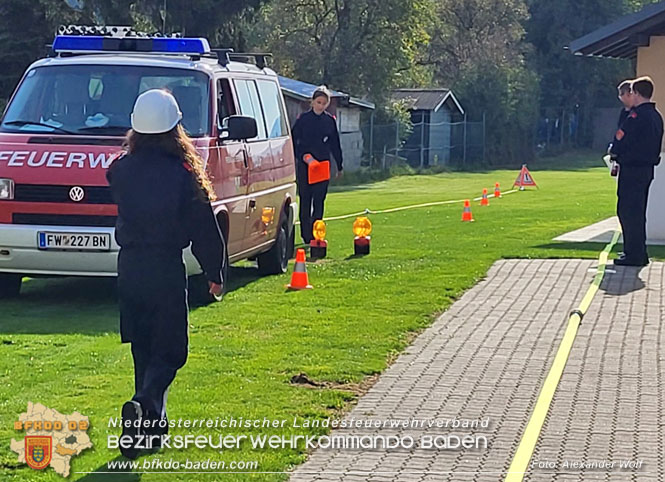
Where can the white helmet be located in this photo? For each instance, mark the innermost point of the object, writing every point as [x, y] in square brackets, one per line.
[155, 112]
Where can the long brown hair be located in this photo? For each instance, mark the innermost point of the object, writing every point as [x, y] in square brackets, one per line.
[175, 142]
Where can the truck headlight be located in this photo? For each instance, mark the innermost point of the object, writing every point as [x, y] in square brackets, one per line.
[6, 189]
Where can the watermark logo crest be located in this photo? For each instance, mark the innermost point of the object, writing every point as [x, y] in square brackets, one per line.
[38, 451]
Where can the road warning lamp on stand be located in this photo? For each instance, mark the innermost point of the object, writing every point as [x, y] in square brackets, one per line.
[318, 247]
[362, 228]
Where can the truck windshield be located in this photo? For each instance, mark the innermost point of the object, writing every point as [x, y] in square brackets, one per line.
[98, 99]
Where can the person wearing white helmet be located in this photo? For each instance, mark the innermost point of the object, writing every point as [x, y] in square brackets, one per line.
[163, 197]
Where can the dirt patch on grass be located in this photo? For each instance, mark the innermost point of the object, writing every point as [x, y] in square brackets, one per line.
[358, 389]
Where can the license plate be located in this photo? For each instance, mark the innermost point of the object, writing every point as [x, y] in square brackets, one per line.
[75, 241]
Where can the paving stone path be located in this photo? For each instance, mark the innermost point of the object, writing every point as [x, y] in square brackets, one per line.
[485, 359]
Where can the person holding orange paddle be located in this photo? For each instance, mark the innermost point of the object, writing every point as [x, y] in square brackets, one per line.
[315, 140]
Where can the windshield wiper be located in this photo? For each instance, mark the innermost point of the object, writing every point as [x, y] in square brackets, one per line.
[21, 123]
[123, 129]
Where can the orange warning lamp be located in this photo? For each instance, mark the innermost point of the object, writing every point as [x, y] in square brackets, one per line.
[362, 228]
[318, 247]
[319, 231]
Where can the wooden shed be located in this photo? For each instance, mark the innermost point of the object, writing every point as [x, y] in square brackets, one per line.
[433, 112]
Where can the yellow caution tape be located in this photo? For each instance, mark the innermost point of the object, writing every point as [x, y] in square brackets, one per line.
[527, 445]
[412, 206]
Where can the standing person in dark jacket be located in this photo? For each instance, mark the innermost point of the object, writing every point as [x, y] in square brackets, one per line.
[315, 133]
[163, 195]
[637, 147]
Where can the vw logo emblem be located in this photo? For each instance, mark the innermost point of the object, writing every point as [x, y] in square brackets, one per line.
[76, 194]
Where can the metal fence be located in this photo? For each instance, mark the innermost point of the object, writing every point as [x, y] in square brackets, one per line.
[558, 128]
[424, 144]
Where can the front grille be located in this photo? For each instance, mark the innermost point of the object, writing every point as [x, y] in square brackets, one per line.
[42, 193]
[64, 220]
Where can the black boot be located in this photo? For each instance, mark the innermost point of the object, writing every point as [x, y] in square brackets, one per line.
[132, 415]
[629, 261]
[155, 433]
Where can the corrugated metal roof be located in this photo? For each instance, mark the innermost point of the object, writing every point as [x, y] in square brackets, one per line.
[421, 99]
[426, 99]
[622, 38]
[304, 91]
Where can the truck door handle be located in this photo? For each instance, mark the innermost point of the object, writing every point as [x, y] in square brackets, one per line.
[244, 159]
[252, 204]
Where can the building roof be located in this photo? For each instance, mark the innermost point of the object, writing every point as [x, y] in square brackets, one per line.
[303, 91]
[622, 38]
[427, 99]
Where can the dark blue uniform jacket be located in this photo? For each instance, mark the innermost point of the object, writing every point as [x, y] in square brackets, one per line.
[161, 207]
[638, 140]
[318, 136]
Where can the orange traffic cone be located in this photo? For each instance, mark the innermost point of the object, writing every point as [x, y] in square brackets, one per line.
[466, 214]
[484, 201]
[299, 279]
[497, 190]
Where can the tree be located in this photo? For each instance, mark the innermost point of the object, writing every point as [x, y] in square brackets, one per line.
[478, 50]
[470, 32]
[206, 18]
[570, 83]
[25, 32]
[362, 46]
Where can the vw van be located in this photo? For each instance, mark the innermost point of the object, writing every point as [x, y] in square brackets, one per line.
[67, 120]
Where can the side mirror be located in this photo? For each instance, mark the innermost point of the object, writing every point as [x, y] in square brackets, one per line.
[238, 128]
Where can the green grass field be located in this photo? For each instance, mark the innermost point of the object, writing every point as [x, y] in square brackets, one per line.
[59, 343]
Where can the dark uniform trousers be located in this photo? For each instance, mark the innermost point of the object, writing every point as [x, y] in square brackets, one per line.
[312, 197]
[632, 193]
[153, 318]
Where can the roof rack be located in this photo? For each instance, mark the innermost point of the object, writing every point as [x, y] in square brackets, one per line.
[224, 56]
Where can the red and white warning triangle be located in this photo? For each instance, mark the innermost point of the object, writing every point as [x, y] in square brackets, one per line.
[524, 178]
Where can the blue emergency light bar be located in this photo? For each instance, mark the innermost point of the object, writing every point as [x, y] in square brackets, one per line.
[159, 45]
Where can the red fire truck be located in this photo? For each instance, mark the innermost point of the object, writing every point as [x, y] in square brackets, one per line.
[66, 122]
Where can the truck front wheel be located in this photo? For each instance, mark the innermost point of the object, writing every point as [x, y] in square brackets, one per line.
[276, 260]
[10, 285]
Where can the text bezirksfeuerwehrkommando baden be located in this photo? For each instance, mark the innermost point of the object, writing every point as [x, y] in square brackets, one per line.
[231, 441]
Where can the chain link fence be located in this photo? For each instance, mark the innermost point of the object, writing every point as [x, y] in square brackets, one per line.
[424, 144]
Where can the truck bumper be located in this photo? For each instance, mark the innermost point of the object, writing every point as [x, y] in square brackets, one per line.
[19, 254]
